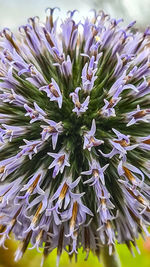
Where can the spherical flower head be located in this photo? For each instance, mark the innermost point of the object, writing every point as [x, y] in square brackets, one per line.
[74, 134]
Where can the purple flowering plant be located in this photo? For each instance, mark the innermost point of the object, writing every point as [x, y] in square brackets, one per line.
[74, 135]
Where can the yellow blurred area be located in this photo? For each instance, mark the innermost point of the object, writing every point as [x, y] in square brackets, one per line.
[33, 259]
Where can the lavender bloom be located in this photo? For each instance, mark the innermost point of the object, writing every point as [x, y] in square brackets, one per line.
[77, 215]
[138, 115]
[8, 166]
[104, 205]
[35, 114]
[53, 130]
[8, 81]
[89, 138]
[126, 170]
[70, 33]
[60, 161]
[9, 132]
[8, 191]
[120, 145]
[122, 84]
[64, 193]
[136, 200]
[32, 38]
[41, 203]
[65, 91]
[12, 97]
[104, 209]
[97, 173]
[53, 92]
[30, 148]
[65, 67]
[144, 142]
[88, 74]
[79, 107]
[36, 78]
[108, 109]
[143, 88]
[32, 186]
[4, 118]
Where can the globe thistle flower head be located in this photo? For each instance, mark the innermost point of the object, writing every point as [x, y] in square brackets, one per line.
[74, 135]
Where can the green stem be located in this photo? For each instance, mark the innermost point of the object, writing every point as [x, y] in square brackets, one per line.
[110, 260]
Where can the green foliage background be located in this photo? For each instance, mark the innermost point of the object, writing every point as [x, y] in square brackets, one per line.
[33, 259]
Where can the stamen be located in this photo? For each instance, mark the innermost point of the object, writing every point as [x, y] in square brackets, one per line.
[78, 104]
[140, 114]
[48, 38]
[35, 218]
[39, 236]
[111, 103]
[146, 142]
[51, 129]
[9, 37]
[138, 197]
[129, 175]
[53, 90]
[8, 55]
[35, 114]
[108, 225]
[74, 214]
[122, 142]
[89, 76]
[95, 173]
[34, 184]
[2, 169]
[63, 191]
[103, 201]
[61, 160]
[32, 70]
[92, 140]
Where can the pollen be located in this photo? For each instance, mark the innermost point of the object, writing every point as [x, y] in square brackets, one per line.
[129, 175]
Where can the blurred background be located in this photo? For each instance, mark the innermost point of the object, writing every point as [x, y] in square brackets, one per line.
[14, 13]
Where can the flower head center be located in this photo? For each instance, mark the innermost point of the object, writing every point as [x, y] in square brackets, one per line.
[95, 173]
[122, 142]
[61, 160]
[53, 90]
